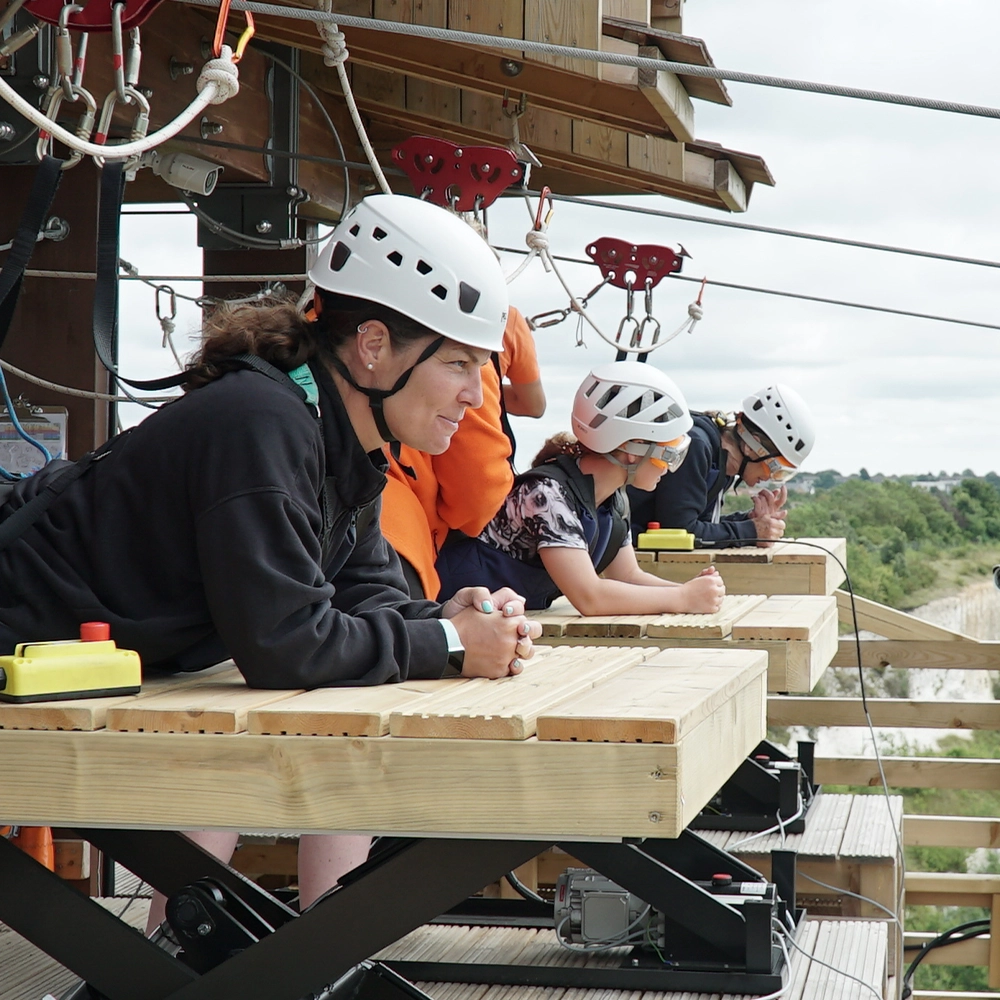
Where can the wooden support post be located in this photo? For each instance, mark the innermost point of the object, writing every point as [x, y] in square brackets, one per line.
[51, 333]
[994, 973]
[667, 94]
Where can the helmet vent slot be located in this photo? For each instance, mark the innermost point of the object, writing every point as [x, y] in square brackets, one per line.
[378, 233]
[468, 297]
[440, 291]
[355, 229]
[339, 256]
[395, 257]
[598, 420]
[423, 267]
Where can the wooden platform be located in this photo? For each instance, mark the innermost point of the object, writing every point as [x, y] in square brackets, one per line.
[784, 568]
[799, 633]
[662, 729]
[857, 947]
[851, 842]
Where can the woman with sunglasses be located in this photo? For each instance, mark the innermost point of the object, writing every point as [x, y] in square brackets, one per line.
[764, 443]
[564, 527]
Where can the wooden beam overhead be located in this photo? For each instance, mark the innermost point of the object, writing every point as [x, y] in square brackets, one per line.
[450, 64]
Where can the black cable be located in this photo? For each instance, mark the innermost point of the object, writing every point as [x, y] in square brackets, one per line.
[789, 295]
[286, 154]
[766, 230]
[973, 928]
[522, 890]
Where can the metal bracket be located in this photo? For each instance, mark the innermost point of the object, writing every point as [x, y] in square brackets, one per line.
[765, 791]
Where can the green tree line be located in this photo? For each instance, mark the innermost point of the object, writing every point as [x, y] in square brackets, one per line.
[898, 534]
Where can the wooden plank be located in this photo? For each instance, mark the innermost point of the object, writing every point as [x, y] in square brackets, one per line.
[334, 784]
[659, 701]
[666, 93]
[786, 617]
[730, 187]
[382, 86]
[746, 554]
[911, 772]
[556, 617]
[431, 12]
[950, 889]
[216, 704]
[627, 76]
[629, 10]
[951, 831]
[930, 714]
[891, 623]
[975, 951]
[919, 653]
[576, 23]
[88, 714]
[652, 154]
[432, 99]
[798, 552]
[716, 626]
[351, 711]
[874, 828]
[488, 17]
[507, 709]
[600, 142]
[677, 48]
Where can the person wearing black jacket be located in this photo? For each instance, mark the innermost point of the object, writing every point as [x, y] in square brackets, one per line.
[242, 520]
[765, 442]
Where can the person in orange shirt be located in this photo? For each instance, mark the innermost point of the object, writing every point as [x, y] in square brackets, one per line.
[427, 496]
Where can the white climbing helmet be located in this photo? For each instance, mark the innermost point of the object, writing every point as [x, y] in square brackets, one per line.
[780, 413]
[626, 402]
[422, 261]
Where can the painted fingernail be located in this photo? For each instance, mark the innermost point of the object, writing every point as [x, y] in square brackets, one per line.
[515, 665]
[488, 607]
[508, 610]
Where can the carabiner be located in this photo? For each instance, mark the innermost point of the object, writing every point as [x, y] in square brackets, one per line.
[172, 300]
[542, 320]
[83, 129]
[64, 51]
[655, 324]
[140, 124]
[636, 331]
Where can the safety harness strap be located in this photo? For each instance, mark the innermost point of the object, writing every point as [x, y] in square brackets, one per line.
[43, 190]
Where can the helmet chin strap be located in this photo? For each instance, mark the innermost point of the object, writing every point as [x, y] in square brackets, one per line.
[631, 468]
[377, 397]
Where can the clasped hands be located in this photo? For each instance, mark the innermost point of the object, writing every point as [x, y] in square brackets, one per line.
[494, 631]
[767, 515]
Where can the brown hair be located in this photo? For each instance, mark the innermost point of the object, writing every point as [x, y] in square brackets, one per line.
[562, 443]
[274, 330]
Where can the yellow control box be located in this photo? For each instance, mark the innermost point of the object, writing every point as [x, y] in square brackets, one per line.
[671, 539]
[56, 671]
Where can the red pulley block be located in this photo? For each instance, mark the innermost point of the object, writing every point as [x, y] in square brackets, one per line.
[462, 177]
[623, 263]
[96, 14]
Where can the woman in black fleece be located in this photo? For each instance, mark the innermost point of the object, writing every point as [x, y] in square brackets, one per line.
[765, 442]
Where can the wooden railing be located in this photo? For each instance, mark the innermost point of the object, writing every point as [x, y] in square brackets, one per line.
[912, 643]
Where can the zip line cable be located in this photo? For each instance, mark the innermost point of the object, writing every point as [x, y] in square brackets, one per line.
[769, 230]
[613, 58]
[790, 295]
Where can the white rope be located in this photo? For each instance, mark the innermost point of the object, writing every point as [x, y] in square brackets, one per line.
[217, 83]
[84, 393]
[611, 58]
[335, 54]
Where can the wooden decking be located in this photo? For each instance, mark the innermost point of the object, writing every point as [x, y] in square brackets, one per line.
[854, 946]
[798, 632]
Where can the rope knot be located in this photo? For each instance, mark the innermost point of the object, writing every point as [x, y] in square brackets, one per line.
[537, 240]
[695, 311]
[334, 44]
[223, 73]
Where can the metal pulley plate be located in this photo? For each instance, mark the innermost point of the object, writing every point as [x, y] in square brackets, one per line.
[96, 14]
[460, 177]
[625, 264]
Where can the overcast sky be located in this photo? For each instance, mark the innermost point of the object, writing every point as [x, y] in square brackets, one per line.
[892, 394]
